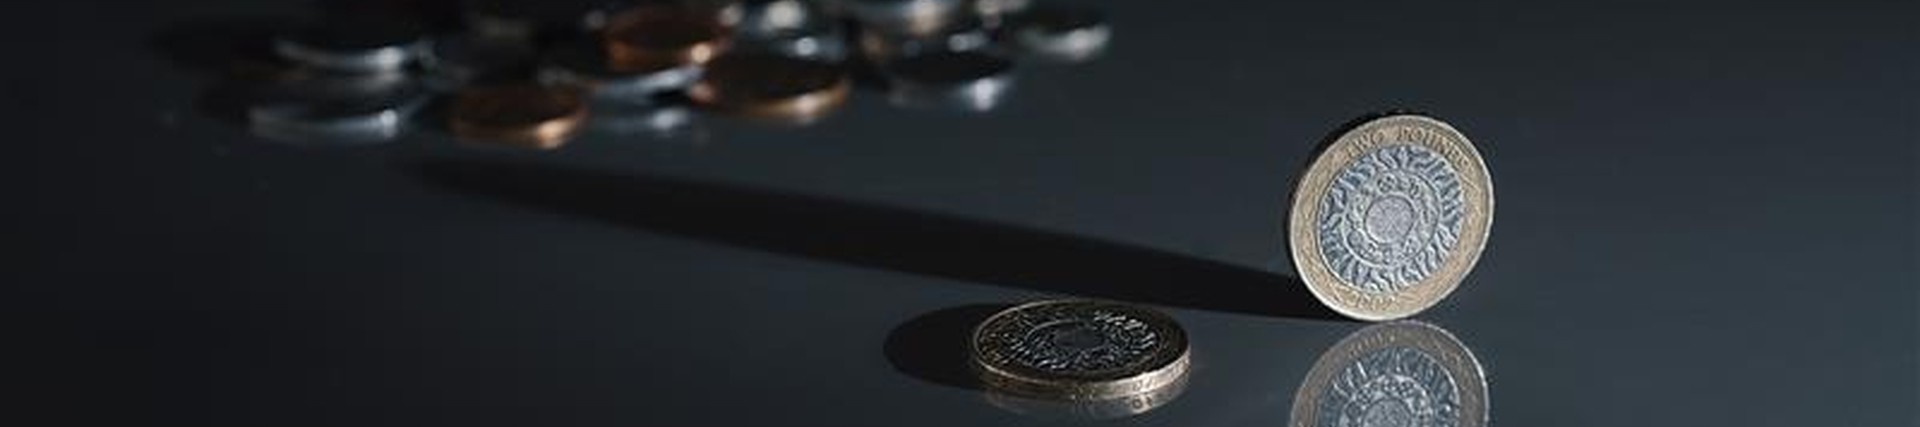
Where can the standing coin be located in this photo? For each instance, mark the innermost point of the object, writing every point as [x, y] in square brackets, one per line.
[1390, 217]
[1079, 350]
[1394, 374]
[523, 115]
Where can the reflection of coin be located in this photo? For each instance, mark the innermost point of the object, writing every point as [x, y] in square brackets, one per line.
[1079, 350]
[771, 87]
[531, 116]
[1394, 374]
[1390, 217]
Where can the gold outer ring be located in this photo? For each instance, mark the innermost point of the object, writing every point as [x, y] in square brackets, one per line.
[1350, 145]
[1152, 379]
[469, 117]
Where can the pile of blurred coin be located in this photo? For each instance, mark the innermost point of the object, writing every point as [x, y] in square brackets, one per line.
[535, 73]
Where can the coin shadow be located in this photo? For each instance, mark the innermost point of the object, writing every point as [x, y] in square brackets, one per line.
[933, 346]
[877, 236]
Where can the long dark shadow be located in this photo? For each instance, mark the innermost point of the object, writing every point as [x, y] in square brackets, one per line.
[882, 237]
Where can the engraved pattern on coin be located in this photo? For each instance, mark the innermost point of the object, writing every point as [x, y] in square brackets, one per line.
[1391, 218]
[1072, 340]
[1396, 386]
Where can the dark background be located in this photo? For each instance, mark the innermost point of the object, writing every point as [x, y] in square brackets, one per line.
[1706, 216]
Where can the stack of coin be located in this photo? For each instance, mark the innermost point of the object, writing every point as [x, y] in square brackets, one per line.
[323, 109]
[789, 61]
[1390, 217]
[1095, 358]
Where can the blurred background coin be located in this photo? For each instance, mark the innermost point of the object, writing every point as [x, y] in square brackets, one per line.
[530, 21]
[965, 80]
[1390, 217]
[658, 36]
[334, 109]
[651, 120]
[1394, 374]
[902, 17]
[1061, 34]
[786, 27]
[521, 115]
[1079, 350]
[773, 87]
[367, 46]
[963, 34]
[996, 11]
[586, 65]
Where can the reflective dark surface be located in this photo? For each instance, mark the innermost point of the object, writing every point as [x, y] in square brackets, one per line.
[1706, 216]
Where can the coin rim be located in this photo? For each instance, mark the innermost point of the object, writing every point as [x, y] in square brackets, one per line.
[1468, 376]
[1335, 156]
[1005, 380]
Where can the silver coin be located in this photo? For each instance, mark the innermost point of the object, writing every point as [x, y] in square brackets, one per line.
[586, 65]
[1096, 409]
[902, 16]
[1079, 350]
[1062, 34]
[334, 110]
[966, 81]
[1394, 374]
[353, 47]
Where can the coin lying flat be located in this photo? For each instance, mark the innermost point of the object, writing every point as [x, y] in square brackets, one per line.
[1394, 374]
[352, 47]
[1390, 217]
[659, 36]
[1079, 350]
[772, 87]
[966, 80]
[522, 115]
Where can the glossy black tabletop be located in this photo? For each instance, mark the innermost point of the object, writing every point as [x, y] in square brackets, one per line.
[1706, 216]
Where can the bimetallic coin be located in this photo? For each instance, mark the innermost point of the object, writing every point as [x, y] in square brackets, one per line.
[659, 36]
[352, 47]
[1390, 217]
[1394, 374]
[1079, 350]
[521, 115]
[966, 81]
[772, 87]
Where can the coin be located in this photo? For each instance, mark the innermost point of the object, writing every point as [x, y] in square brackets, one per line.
[587, 66]
[1062, 34]
[335, 110]
[967, 81]
[658, 36]
[1079, 350]
[1390, 216]
[907, 17]
[522, 115]
[775, 87]
[352, 47]
[1394, 374]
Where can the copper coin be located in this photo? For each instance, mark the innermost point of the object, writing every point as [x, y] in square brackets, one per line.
[772, 87]
[663, 36]
[521, 115]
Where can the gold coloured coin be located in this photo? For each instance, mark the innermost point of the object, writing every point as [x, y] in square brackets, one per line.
[1390, 216]
[522, 115]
